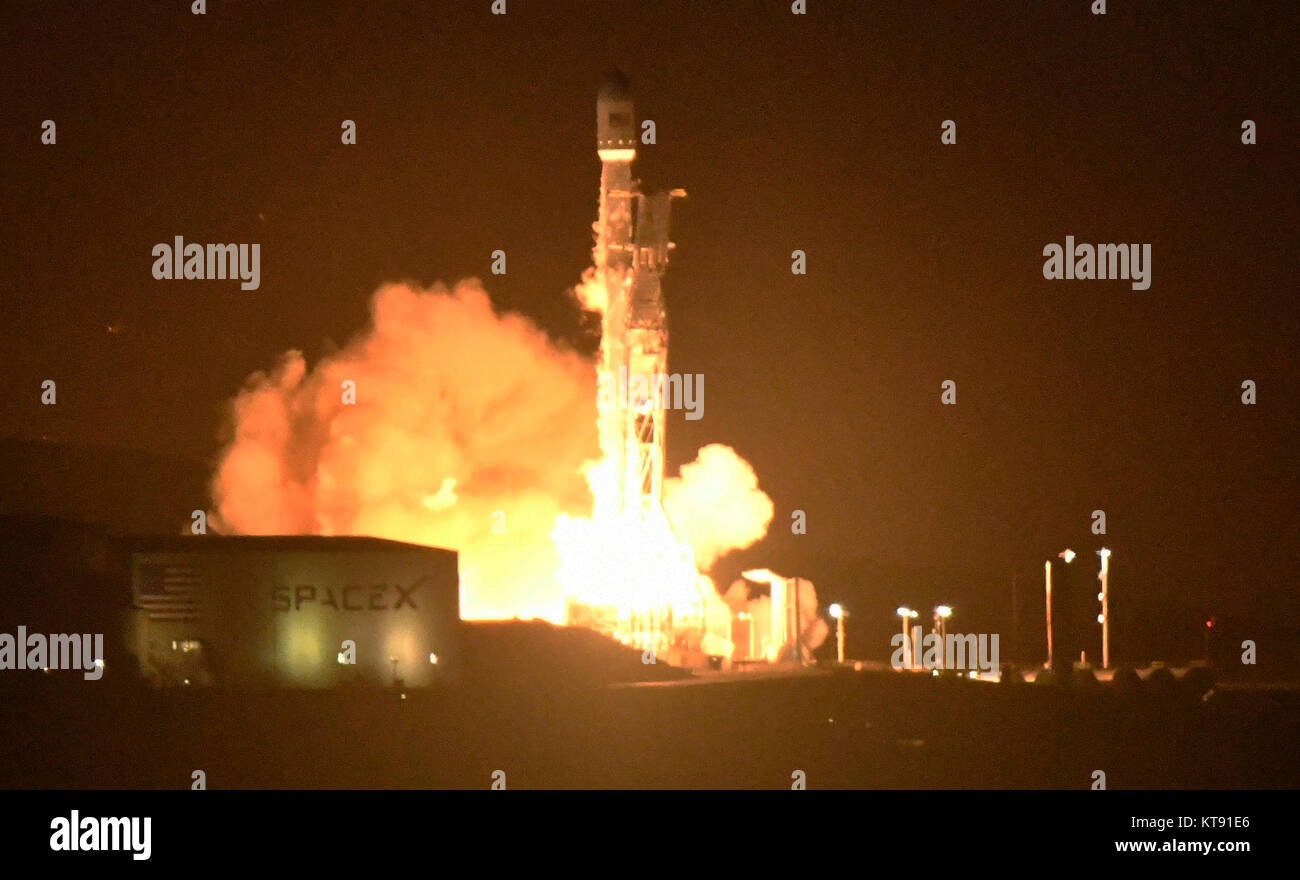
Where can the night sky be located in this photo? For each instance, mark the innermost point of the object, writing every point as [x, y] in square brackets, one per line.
[818, 132]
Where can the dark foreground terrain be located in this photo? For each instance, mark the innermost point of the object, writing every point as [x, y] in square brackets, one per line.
[844, 730]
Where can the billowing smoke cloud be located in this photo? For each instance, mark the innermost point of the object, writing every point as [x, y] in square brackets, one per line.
[716, 505]
[813, 628]
[468, 431]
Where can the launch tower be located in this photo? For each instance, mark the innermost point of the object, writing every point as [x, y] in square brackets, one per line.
[631, 254]
[659, 605]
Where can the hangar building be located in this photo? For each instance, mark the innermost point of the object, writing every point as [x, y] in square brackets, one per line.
[291, 611]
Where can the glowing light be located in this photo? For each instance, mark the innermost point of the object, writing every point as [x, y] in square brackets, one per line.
[835, 611]
[944, 611]
[1068, 555]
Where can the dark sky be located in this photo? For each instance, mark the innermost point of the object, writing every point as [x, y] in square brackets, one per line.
[818, 132]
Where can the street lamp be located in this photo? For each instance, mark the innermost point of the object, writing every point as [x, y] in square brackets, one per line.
[1104, 596]
[1068, 555]
[838, 613]
[941, 615]
[907, 614]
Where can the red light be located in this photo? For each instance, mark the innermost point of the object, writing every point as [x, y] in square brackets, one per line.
[1209, 624]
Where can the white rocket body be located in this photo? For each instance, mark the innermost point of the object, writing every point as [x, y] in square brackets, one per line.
[631, 254]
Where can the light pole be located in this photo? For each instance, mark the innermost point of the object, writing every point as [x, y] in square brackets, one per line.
[798, 632]
[941, 615]
[837, 611]
[1047, 588]
[908, 615]
[1104, 596]
[1068, 555]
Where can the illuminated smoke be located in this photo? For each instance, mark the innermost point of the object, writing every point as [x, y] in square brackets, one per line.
[716, 505]
[463, 418]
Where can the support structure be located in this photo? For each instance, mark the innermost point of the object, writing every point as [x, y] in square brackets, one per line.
[631, 255]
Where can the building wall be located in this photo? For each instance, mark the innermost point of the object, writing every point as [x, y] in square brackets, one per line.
[276, 611]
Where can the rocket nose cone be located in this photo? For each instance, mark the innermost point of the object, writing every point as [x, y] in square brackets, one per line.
[614, 87]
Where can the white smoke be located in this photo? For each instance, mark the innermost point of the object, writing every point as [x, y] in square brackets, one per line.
[470, 430]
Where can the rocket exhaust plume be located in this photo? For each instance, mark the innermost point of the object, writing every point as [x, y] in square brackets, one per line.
[449, 424]
[470, 430]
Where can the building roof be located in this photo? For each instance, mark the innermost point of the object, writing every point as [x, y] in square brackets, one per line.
[265, 543]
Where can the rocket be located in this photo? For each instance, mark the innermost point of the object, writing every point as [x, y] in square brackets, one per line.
[630, 256]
